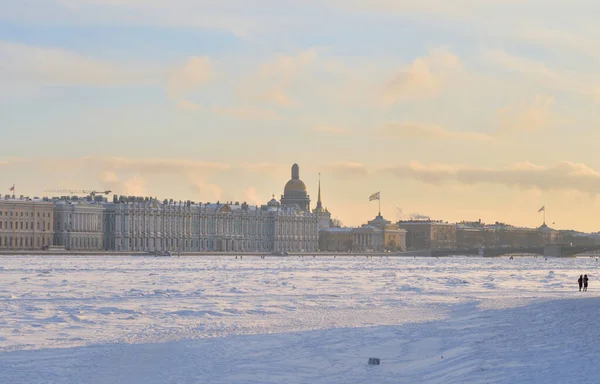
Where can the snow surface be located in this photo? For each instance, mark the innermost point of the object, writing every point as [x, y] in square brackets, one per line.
[67, 319]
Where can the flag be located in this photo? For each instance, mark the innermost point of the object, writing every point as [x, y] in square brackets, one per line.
[12, 188]
[374, 196]
[543, 209]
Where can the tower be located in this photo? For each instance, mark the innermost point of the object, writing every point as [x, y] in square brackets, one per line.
[294, 192]
[322, 213]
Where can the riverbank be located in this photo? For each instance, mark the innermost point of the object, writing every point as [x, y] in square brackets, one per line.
[423, 253]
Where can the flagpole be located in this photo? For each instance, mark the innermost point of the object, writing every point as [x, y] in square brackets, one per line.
[379, 203]
[544, 214]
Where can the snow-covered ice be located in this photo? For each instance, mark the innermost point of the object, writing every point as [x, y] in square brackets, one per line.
[76, 319]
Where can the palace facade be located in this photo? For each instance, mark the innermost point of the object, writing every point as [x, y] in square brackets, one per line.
[25, 223]
[129, 223]
[135, 224]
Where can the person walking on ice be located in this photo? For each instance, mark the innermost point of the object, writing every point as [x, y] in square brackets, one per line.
[580, 281]
[585, 282]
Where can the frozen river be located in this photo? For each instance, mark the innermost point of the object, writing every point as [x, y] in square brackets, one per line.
[61, 309]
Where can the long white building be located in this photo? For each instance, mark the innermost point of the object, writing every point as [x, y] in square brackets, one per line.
[146, 224]
[136, 224]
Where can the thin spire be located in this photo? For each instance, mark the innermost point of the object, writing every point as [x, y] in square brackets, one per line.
[319, 204]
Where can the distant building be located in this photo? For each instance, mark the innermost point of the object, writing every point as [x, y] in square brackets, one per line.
[294, 193]
[143, 224]
[78, 224]
[335, 239]
[477, 234]
[322, 213]
[377, 235]
[469, 237]
[429, 234]
[132, 225]
[25, 223]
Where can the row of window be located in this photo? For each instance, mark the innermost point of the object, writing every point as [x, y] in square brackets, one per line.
[21, 242]
[28, 226]
[7, 213]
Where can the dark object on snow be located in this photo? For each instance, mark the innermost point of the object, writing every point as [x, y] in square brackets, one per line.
[585, 282]
[580, 281]
[373, 361]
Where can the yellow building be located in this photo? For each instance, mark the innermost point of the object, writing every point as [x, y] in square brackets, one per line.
[25, 223]
[429, 234]
[377, 235]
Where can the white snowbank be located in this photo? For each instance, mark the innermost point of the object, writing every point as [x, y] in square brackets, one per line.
[293, 320]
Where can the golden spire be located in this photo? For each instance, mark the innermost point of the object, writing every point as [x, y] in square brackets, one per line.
[319, 207]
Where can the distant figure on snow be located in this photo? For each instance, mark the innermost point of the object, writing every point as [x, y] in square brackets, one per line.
[585, 282]
[580, 281]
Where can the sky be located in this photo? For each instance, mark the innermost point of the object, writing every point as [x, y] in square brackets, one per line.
[455, 110]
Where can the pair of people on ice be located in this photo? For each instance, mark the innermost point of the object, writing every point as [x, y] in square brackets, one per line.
[583, 282]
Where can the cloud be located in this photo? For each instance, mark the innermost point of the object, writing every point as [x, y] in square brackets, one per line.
[273, 80]
[37, 66]
[519, 64]
[286, 68]
[188, 77]
[348, 170]
[278, 97]
[422, 79]
[133, 186]
[586, 84]
[186, 105]
[411, 130]
[561, 176]
[251, 196]
[227, 15]
[331, 130]
[456, 8]
[13, 160]
[245, 113]
[260, 167]
[108, 177]
[561, 40]
[531, 117]
[109, 166]
[206, 191]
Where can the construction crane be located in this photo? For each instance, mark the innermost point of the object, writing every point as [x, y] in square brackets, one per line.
[72, 191]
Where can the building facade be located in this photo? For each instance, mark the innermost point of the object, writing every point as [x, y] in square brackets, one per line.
[78, 224]
[429, 234]
[135, 224]
[335, 239]
[145, 224]
[377, 235]
[25, 224]
[477, 234]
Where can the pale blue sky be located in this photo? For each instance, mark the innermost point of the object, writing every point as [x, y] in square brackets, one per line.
[455, 109]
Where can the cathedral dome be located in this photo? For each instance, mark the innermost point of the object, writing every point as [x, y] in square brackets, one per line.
[294, 185]
[294, 192]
